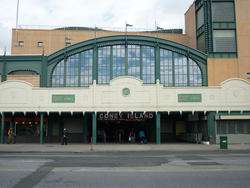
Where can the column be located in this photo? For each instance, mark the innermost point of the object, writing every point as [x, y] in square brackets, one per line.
[211, 127]
[85, 124]
[158, 128]
[2, 128]
[94, 128]
[41, 128]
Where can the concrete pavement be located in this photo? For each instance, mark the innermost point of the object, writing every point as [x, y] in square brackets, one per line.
[82, 148]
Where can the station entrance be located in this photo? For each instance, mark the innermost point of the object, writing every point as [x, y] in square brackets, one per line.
[119, 127]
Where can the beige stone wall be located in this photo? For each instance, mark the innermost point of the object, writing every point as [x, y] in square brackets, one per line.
[54, 40]
[32, 79]
[220, 70]
[243, 36]
[190, 25]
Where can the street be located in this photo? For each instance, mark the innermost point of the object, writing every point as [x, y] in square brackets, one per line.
[125, 169]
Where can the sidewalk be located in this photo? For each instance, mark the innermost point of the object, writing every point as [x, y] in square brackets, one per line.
[83, 148]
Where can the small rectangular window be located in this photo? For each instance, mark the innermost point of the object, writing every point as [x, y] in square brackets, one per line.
[21, 43]
[248, 75]
[67, 44]
[40, 44]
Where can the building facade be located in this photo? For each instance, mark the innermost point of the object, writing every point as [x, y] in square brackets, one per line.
[104, 85]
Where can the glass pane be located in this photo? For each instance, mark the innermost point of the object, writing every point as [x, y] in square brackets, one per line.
[148, 64]
[104, 65]
[118, 61]
[166, 67]
[134, 61]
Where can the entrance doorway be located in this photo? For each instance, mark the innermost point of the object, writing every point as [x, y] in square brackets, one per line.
[117, 128]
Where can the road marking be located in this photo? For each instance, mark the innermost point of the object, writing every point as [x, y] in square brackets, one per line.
[153, 171]
[135, 170]
[17, 170]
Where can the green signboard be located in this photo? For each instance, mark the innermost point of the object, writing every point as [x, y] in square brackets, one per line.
[63, 98]
[189, 98]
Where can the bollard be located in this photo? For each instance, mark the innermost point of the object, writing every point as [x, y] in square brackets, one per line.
[92, 149]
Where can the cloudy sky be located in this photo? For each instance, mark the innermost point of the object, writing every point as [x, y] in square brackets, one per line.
[87, 13]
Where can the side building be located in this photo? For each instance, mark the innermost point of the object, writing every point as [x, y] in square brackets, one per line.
[104, 85]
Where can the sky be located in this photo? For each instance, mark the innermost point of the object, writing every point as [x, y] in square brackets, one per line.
[142, 14]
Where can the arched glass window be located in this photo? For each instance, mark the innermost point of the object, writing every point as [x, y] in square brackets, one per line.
[178, 70]
[74, 71]
[134, 60]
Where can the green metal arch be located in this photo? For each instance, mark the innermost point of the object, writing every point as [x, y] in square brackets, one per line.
[199, 57]
[127, 39]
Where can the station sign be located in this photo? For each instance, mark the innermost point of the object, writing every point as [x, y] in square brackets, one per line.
[125, 116]
[189, 98]
[63, 98]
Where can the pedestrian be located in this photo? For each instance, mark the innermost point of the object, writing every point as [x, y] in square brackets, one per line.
[65, 137]
[142, 136]
[132, 136]
[11, 136]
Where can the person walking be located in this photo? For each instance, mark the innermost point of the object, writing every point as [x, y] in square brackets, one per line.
[11, 136]
[65, 137]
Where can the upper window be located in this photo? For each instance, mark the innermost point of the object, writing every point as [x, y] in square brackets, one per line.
[223, 12]
[20, 43]
[40, 44]
[224, 41]
[200, 17]
[248, 75]
[201, 42]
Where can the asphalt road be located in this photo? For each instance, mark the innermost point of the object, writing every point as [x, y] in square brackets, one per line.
[125, 169]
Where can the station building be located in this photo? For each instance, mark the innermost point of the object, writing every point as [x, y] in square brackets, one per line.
[103, 84]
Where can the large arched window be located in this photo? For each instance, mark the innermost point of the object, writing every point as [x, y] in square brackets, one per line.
[178, 70]
[139, 61]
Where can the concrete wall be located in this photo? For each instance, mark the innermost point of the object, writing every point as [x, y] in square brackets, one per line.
[32, 79]
[54, 40]
[232, 95]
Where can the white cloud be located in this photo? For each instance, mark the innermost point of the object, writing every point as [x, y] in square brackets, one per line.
[88, 13]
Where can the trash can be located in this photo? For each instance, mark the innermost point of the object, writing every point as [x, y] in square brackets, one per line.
[223, 142]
